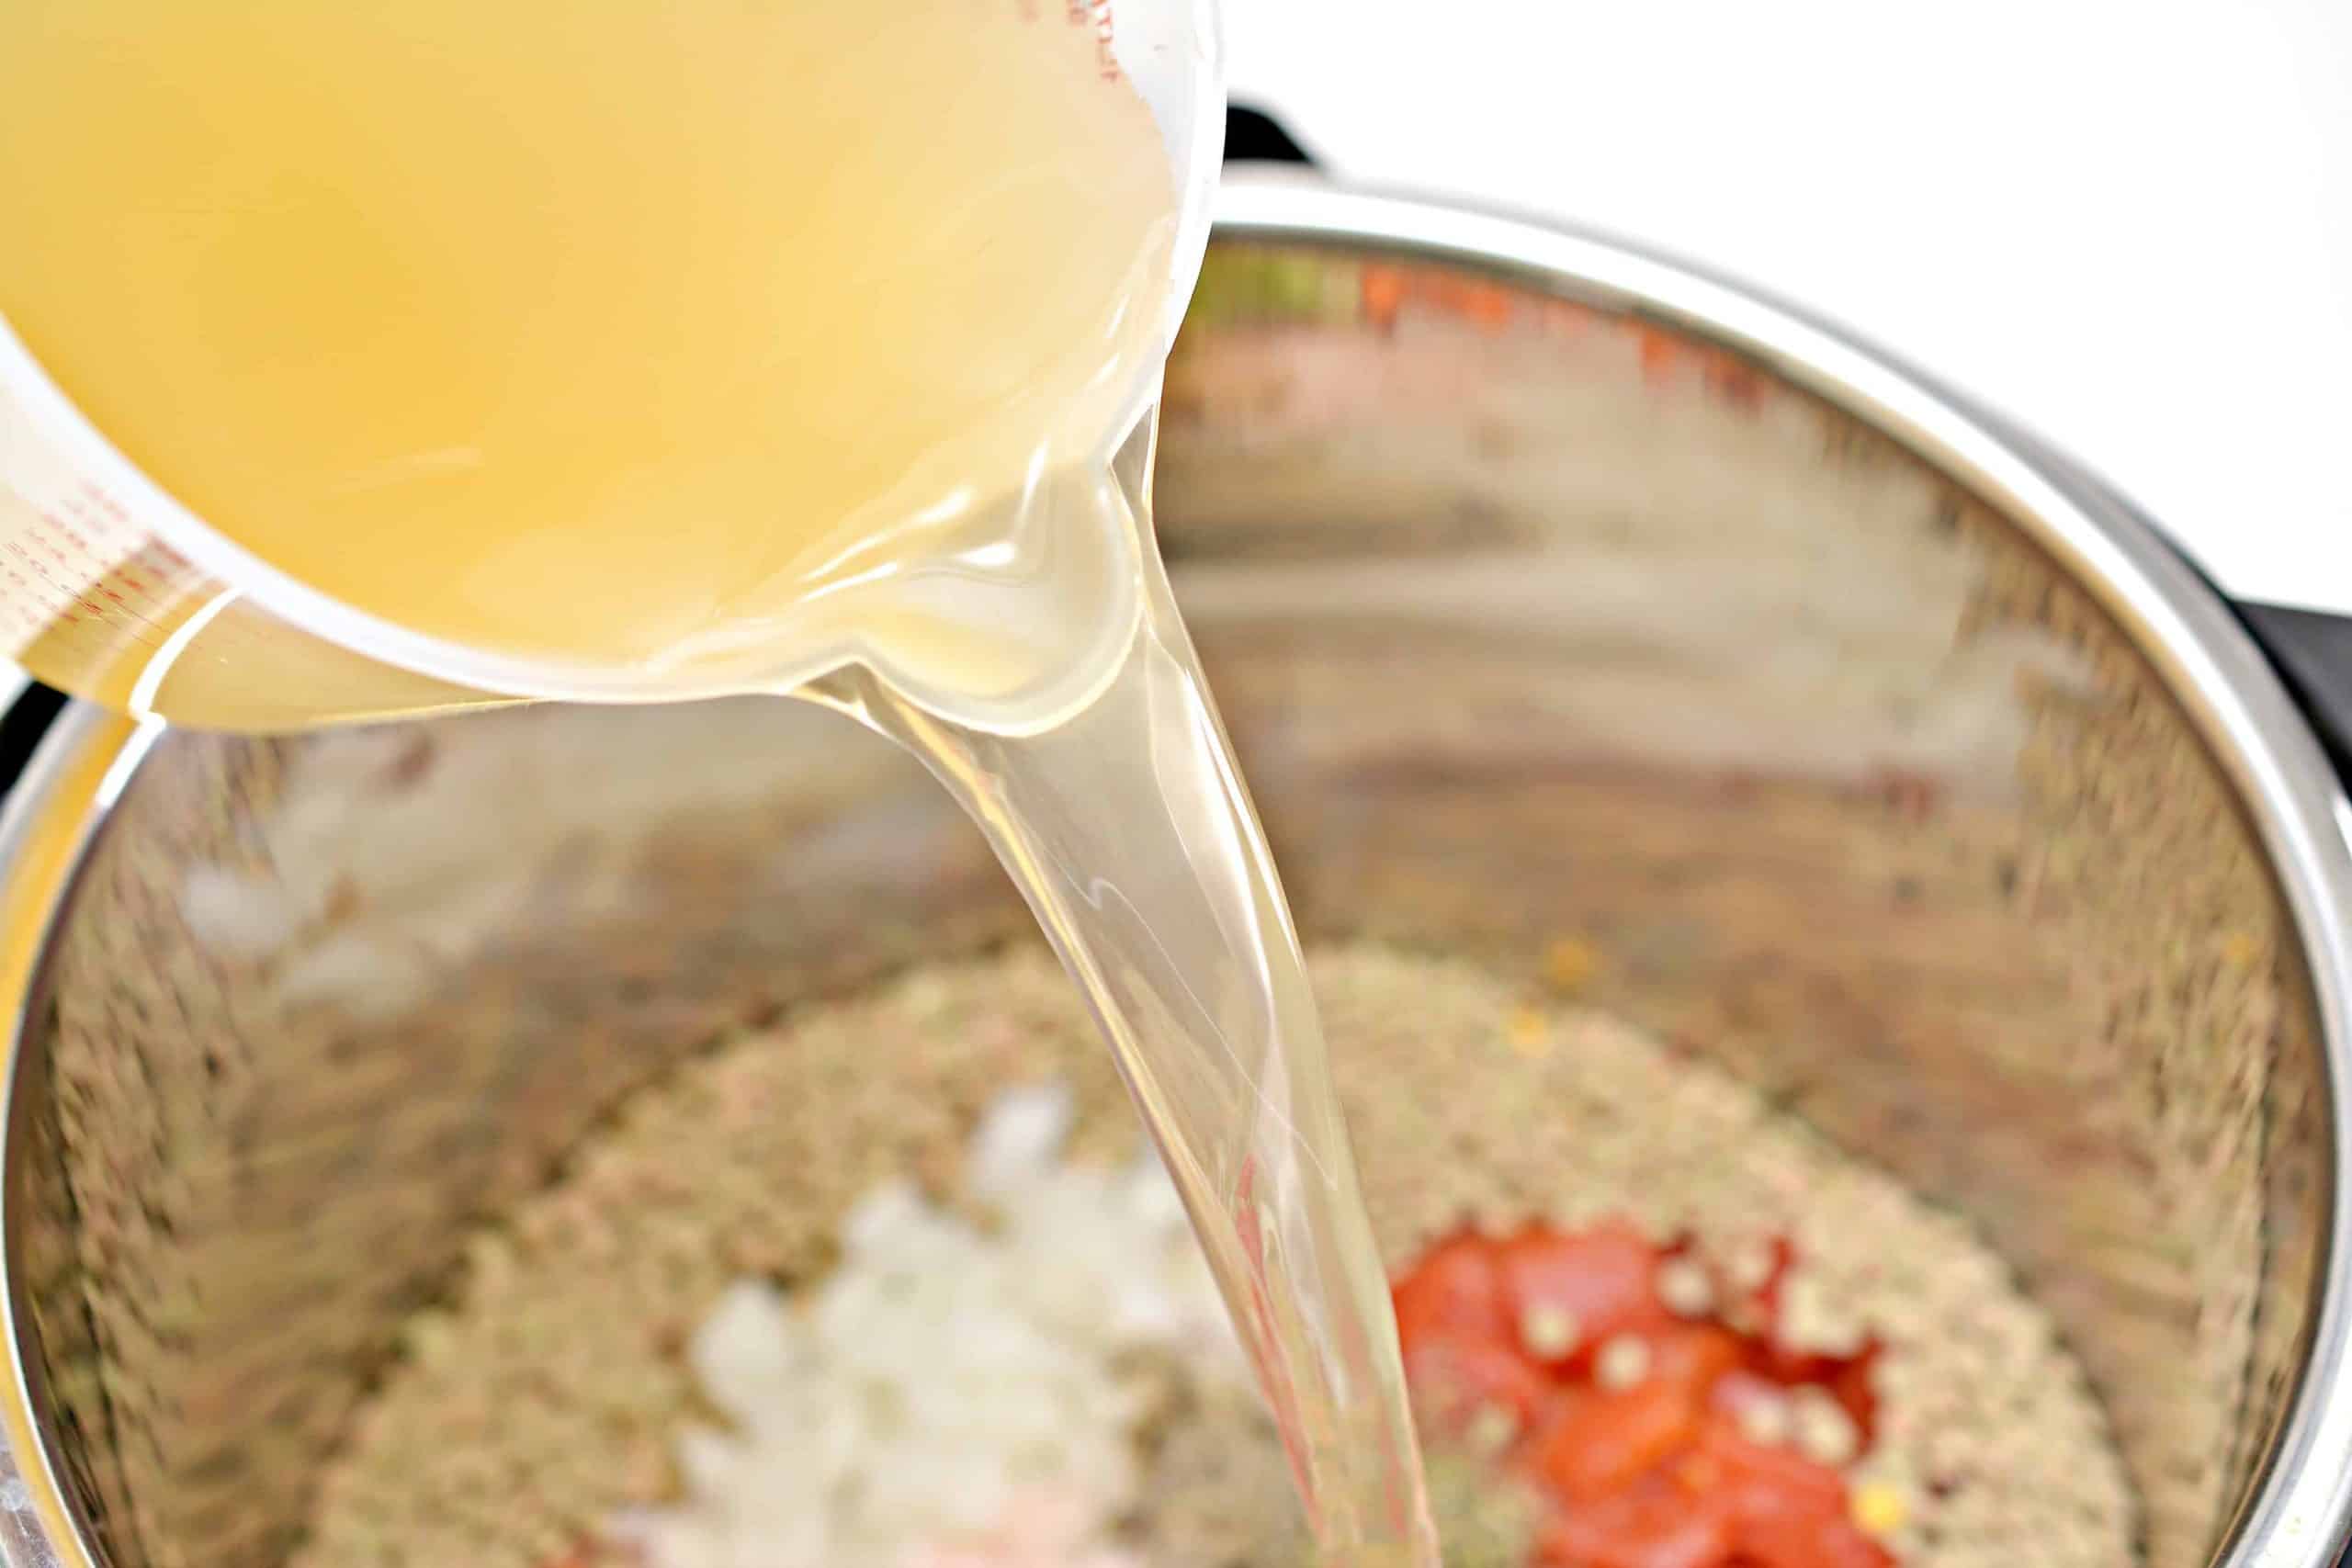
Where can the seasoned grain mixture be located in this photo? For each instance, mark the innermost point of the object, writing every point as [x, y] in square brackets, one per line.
[546, 1405]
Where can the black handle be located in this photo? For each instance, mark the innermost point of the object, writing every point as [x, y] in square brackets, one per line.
[1251, 137]
[2312, 653]
[23, 724]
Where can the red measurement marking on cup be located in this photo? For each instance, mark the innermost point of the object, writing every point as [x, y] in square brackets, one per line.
[1105, 59]
[1095, 16]
[72, 564]
[83, 585]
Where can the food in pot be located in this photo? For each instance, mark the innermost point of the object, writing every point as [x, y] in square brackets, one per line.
[893, 1282]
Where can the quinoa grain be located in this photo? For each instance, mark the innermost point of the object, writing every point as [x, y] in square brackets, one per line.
[544, 1399]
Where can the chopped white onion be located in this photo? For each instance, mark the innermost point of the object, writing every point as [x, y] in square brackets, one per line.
[948, 1397]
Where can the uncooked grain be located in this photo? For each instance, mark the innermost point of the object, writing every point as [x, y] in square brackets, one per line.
[542, 1401]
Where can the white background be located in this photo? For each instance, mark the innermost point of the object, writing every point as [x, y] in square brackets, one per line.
[2127, 222]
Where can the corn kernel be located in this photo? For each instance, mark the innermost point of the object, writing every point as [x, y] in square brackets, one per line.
[1569, 964]
[1878, 1508]
[1528, 1033]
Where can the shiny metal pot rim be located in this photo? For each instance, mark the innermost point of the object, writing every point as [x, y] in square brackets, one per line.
[2300, 1516]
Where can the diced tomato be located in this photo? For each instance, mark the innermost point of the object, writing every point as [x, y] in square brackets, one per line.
[1847, 1379]
[1456, 1377]
[1737, 1391]
[1649, 1524]
[1756, 1477]
[1793, 1542]
[1659, 1473]
[1455, 1292]
[1763, 1301]
[1785, 1511]
[1696, 1356]
[1461, 1348]
[1596, 1440]
[1852, 1386]
[1601, 1278]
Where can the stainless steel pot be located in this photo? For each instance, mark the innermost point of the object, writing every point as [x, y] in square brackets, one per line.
[1549, 587]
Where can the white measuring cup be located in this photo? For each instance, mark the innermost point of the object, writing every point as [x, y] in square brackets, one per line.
[113, 590]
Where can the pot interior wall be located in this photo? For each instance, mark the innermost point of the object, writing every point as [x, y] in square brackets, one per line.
[1533, 620]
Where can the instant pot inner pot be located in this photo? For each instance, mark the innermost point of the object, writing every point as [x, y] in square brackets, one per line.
[1533, 620]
